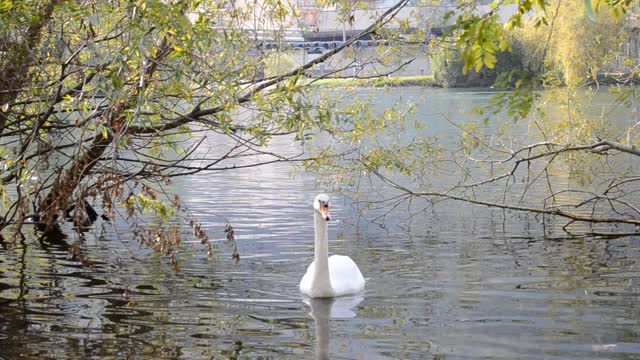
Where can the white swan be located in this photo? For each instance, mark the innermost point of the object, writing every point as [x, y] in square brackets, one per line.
[329, 276]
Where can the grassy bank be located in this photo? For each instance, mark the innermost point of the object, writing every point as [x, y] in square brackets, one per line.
[429, 81]
[418, 80]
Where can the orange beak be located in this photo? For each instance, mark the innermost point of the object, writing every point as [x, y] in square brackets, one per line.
[324, 211]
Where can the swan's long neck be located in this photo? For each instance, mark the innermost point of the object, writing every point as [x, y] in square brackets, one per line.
[321, 280]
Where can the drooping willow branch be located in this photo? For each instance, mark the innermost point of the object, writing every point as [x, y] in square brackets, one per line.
[621, 210]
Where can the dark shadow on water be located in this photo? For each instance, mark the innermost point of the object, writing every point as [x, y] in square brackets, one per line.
[53, 237]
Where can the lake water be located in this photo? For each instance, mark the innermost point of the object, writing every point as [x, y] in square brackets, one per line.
[459, 282]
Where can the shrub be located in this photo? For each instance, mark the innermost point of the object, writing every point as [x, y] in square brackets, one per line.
[447, 65]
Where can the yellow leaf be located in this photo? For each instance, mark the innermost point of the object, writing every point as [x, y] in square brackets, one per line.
[489, 60]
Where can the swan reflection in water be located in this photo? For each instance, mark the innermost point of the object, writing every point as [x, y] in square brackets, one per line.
[324, 309]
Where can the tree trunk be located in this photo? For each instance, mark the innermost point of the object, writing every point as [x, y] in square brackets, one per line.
[59, 198]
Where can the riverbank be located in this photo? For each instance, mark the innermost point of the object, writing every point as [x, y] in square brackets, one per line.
[429, 81]
[399, 81]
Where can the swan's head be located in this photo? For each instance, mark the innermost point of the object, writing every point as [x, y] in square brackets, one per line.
[321, 205]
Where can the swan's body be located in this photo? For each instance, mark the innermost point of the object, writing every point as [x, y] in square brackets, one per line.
[329, 276]
[344, 278]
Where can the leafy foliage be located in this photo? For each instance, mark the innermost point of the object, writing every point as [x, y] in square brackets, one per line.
[448, 68]
[572, 47]
[109, 101]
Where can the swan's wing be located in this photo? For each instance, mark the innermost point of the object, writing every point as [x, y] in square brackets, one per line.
[346, 278]
[305, 283]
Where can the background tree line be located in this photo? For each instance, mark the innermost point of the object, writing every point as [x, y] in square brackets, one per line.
[565, 47]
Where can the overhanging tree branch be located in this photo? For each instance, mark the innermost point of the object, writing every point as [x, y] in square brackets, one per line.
[196, 114]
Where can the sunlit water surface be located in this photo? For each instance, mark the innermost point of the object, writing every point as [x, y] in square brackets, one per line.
[459, 282]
